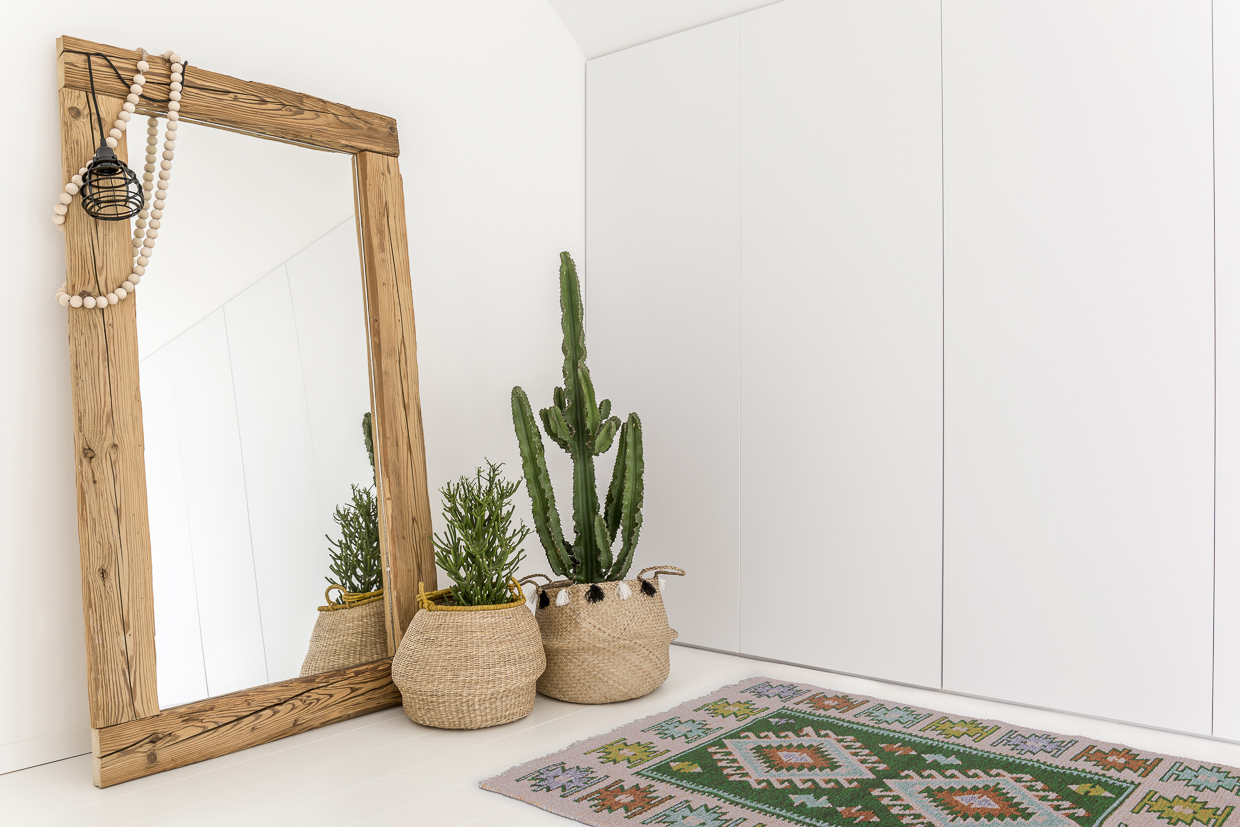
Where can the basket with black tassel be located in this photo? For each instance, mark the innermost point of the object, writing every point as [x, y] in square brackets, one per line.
[604, 642]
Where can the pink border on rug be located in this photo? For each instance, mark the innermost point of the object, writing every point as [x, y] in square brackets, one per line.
[602, 780]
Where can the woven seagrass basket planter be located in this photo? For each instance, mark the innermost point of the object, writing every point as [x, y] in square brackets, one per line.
[605, 642]
[347, 634]
[468, 667]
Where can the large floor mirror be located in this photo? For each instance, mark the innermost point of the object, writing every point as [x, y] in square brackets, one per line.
[237, 419]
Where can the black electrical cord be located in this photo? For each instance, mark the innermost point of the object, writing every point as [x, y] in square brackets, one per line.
[121, 78]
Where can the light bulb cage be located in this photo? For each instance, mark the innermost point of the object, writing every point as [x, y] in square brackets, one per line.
[110, 189]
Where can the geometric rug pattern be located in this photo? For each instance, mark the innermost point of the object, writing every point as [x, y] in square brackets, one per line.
[762, 753]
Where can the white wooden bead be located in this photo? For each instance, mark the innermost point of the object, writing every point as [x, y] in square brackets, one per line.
[60, 209]
[121, 125]
[82, 171]
[88, 302]
[115, 133]
[123, 116]
[175, 86]
[157, 213]
[111, 142]
[170, 144]
[63, 299]
[72, 188]
[174, 58]
[148, 168]
[166, 165]
[135, 278]
[164, 175]
[128, 107]
[173, 106]
[154, 224]
[121, 292]
[59, 226]
[65, 198]
[161, 187]
[139, 223]
[173, 115]
[136, 89]
[173, 126]
[168, 55]
[148, 176]
[143, 66]
[132, 98]
[139, 79]
[58, 219]
[77, 179]
[151, 235]
[174, 96]
[113, 298]
[152, 121]
[176, 71]
[168, 154]
[75, 301]
[127, 284]
[144, 260]
[135, 243]
[158, 203]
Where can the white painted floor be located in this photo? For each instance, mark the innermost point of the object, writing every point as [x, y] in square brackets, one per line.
[383, 769]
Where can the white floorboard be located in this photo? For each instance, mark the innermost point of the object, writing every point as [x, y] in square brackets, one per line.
[382, 767]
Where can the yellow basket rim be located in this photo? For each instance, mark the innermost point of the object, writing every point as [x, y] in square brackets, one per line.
[426, 600]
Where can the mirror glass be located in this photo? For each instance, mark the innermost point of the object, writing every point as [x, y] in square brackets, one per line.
[254, 376]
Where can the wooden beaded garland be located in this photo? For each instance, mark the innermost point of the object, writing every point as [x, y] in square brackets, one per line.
[154, 188]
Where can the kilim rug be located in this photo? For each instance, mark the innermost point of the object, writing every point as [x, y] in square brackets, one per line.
[762, 753]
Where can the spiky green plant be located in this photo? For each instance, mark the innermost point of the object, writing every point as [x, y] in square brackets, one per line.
[479, 549]
[356, 563]
[585, 429]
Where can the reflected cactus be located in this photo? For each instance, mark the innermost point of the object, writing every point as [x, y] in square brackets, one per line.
[585, 429]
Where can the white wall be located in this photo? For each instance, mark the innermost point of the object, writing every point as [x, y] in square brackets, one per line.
[489, 97]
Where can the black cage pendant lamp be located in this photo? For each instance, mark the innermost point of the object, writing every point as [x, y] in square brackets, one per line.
[110, 189]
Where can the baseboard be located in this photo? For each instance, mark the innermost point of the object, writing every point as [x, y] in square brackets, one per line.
[18, 755]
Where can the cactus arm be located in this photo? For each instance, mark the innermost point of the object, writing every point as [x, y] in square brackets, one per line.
[545, 416]
[538, 484]
[631, 500]
[589, 406]
[604, 409]
[600, 540]
[615, 494]
[606, 433]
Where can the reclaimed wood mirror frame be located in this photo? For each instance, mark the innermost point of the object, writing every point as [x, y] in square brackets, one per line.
[132, 737]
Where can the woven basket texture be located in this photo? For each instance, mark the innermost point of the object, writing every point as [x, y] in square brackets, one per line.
[469, 669]
[604, 652]
[346, 637]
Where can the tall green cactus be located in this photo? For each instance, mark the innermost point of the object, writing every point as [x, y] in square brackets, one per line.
[585, 429]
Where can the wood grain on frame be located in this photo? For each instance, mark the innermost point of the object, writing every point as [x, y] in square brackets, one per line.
[220, 100]
[107, 438]
[217, 726]
[404, 501]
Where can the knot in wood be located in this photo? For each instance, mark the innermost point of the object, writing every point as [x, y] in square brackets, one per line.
[103, 574]
[89, 453]
[75, 113]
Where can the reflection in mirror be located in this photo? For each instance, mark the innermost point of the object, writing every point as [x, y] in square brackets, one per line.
[254, 378]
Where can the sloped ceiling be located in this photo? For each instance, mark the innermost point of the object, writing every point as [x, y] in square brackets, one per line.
[604, 26]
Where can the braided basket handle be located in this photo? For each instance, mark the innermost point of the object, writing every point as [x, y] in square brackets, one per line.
[679, 572]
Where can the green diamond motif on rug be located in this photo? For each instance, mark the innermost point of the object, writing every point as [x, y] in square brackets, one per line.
[811, 769]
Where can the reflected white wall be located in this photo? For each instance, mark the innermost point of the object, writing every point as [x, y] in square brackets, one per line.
[254, 436]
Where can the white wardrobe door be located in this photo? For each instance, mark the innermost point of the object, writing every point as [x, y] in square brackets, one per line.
[180, 672]
[290, 552]
[662, 299]
[232, 636]
[1079, 356]
[1227, 502]
[841, 336]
